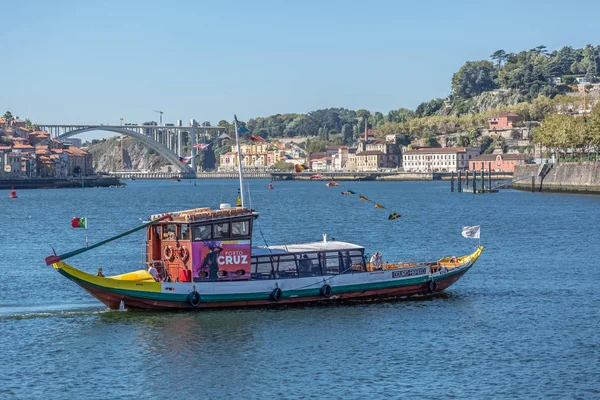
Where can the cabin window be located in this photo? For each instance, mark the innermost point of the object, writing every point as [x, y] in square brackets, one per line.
[353, 259]
[262, 267]
[221, 231]
[202, 232]
[240, 228]
[285, 266]
[331, 261]
[309, 265]
[184, 233]
[168, 232]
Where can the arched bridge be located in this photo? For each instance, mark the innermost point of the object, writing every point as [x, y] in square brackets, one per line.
[165, 140]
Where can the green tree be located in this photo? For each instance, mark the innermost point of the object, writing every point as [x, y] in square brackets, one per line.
[8, 116]
[474, 78]
[315, 146]
[400, 115]
[463, 141]
[428, 108]
[347, 134]
[499, 56]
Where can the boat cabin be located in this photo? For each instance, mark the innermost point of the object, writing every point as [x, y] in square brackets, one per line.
[216, 245]
[202, 244]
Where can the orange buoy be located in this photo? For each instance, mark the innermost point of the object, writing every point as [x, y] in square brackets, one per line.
[13, 194]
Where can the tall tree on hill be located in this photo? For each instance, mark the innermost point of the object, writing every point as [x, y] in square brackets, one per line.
[347, 134]
[8, 116]
[428, 108]
[540, 50]
[474, 78]
[499, 56]
[400, 115]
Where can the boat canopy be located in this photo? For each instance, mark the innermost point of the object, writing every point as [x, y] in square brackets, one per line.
[304, 248]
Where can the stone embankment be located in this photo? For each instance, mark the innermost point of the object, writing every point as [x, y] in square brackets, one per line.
[51, 183]
[581, 177]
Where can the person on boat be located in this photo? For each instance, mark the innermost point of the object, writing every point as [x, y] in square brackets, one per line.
[100, 274]
[210, 261]
[305, 266]
[377, 261]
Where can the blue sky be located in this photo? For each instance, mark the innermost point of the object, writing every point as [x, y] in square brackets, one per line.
[96, 61]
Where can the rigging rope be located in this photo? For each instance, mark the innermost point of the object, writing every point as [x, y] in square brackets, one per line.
[56, 258]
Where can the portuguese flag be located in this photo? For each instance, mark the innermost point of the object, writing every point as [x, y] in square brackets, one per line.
[79, 223]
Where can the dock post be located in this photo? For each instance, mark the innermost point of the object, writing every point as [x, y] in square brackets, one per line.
[474, 181]
[532, 183]
[459, 181]
[467, 178]
[452, 181]
[489, 175]
[482, 180]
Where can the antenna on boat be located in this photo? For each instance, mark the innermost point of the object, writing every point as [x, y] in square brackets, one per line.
[239, 157]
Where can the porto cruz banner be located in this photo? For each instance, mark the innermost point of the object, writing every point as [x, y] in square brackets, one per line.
[229, 259]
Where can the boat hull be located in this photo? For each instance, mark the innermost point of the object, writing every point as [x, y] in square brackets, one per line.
[419, 280]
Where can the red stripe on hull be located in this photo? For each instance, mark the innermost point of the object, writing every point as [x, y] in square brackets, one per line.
[113, 300]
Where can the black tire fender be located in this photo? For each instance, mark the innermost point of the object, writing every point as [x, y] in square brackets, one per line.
[431, 286]
[194, 298]
[326, 291]
[276, 294]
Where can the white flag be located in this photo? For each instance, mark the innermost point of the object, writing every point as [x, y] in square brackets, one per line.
[471, 231]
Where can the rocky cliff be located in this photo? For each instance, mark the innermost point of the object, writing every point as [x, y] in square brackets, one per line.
[107, 156]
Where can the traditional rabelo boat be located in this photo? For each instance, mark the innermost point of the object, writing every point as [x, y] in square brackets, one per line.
[204, 258]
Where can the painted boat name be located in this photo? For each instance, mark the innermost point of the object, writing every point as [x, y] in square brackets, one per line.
[409, 272]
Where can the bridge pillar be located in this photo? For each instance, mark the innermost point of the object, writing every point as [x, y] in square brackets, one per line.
[192, 143]
[178, 143]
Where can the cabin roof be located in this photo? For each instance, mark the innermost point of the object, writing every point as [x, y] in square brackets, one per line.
[204, 213]
[304, 248]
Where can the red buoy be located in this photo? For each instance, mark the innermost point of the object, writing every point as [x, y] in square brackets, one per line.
[13, 194]
[271, 186]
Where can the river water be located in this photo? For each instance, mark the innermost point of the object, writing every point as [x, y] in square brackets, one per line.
[523, 323]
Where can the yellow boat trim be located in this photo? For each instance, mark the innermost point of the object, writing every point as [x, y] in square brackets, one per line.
[444, 262]
[125, 281]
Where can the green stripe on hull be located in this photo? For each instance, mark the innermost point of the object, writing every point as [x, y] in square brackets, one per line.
[286, 294]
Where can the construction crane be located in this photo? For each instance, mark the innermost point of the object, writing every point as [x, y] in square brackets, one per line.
[161, 113]
[581, 89]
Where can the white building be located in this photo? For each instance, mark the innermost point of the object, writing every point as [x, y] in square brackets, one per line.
[430, 159]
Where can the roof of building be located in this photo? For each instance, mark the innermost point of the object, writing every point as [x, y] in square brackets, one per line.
[492, 157]
[22, 146]
[370, 153]
[506, 114]
[424, 150]
[75, 151]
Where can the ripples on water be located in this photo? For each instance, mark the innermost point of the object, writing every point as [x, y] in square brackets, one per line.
[522, 324]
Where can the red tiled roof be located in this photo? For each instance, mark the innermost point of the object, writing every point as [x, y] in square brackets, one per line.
[23, 146]
[506, 114]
